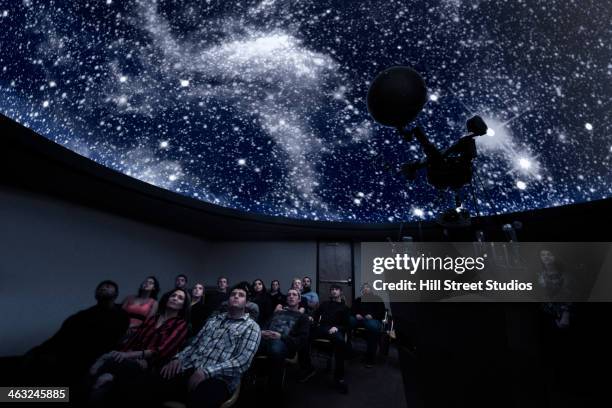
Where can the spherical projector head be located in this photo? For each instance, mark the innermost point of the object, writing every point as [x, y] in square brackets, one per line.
[396, 96]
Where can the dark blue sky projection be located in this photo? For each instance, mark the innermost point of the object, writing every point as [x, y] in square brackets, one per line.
[260, 105]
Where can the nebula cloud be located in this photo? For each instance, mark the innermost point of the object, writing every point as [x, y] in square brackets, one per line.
[260, 105]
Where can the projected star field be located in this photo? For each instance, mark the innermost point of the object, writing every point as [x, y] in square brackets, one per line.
[260, 106]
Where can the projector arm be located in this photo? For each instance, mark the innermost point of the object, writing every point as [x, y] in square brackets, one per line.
[406, 134]
[430, 150]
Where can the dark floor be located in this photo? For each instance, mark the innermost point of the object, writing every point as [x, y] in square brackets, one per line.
[379, 386]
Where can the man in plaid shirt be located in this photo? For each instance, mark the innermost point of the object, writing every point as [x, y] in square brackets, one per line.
[210, 368]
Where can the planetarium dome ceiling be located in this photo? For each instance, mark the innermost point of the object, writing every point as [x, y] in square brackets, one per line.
[260, 106]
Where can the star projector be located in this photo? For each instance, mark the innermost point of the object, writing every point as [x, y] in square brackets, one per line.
[451, 168]
[397, 95]
[395, 98]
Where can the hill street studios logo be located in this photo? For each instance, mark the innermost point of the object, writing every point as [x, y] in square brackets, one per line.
[413, 272]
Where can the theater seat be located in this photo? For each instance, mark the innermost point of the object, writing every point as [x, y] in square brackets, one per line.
[387, 334]
[293, 360]
[288, 361]
[227, 404]
[324, 348]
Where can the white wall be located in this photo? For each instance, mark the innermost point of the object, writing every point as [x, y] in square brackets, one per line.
[53, 254]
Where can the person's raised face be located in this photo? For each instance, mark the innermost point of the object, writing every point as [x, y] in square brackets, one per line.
[237, 299]
[307, 282]
[275, 286]
[297, 284]
[148, 284]
[293, 298]
[197, 291]
[106, 291]
[176, 300]
[366, 290]
[258, 286]
[547, 257]
[222, 283]
[180, 282]
[335, 293]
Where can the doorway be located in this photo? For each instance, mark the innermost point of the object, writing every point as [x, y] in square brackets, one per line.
[335, 266]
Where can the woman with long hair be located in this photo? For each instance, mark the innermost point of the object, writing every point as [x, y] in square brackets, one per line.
[156, 340]
[144, 304]
[275, 293]
[261, 298]
[199, 311]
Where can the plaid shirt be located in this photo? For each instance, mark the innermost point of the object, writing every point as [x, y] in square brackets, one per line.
[224, 348]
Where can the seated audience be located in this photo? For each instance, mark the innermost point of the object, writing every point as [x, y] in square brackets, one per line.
[368, 311]
[215, 298]
[312, 298]
[557, 320]
[149, 348]
[261, 298]
[209, 369]
[83, 337]
[251, 308]
[286, 333]
[333, 323]
[144, 304]
[180, 282]
[199, 311]
[275, 294]
[296, 284]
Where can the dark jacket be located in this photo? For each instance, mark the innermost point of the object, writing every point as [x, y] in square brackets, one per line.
[86, 335]
[276, 299]
[214, 299]
[199, 315]
[333, 314]
[265, 306]
[373, 306]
